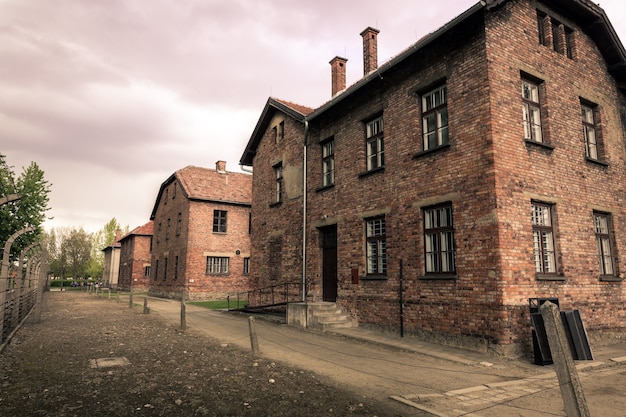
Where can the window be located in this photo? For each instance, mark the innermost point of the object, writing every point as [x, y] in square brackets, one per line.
[156, 270]
[435, 118]
[174, 191]
[543, 238]
[278, 174]
[531, 111]
[176, 267]
[376, 237]
[602, 222]
[374, 144]
[328, 163]
[167, 229]
[216, 265]
[179, 224]
[219, 221]
[146, 271]
[439, 240]
[590, 131]
[164, 269]
[542, 23]
[246, 266]
[281, 130]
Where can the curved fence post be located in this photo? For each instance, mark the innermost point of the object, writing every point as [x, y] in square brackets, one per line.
[4, 274]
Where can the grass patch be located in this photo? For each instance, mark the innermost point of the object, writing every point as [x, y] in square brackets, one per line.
[217, 304]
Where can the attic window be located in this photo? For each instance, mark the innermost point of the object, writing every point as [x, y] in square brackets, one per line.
[279, 131]
[555, 34]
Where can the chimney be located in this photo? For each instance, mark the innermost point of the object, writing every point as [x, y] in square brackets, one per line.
[338, 73]
[220, 167]
[370, 49]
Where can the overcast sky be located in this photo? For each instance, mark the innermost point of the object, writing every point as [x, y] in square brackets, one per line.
[110, 97]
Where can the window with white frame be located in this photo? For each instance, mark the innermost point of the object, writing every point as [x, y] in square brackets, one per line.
[543, 238]
[278, 175]
[435, 118]
[376, 241]
[590, 132]
[328, 163]
[375, 144]
[219, 221]
[531, 111]
[602, 223]
[216, 265]
[246, 266]
[439, 240]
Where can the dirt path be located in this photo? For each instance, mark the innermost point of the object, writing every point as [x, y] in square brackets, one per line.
[60, 367]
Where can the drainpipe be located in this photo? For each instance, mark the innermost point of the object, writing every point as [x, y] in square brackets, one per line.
[304, 209]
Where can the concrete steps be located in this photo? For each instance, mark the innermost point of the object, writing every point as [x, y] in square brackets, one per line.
[327, 315]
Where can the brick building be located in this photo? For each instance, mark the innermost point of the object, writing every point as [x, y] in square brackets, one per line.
[201, 235]
[482, 166]
[135, 254]
[110, 272]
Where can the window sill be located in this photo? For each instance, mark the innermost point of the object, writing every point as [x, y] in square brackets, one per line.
[608, 278]
[372, 172]
[438, 277]
[374, 278]
[539, 144]
[276, 204]
[542, 277]
[596, 162]
[324, 188]
[431, 151]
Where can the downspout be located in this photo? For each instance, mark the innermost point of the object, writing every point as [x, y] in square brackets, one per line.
[304, 209]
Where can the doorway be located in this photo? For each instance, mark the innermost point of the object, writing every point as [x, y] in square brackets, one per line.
[328, 239]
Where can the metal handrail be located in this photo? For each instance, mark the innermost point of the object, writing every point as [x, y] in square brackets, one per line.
[273, 295]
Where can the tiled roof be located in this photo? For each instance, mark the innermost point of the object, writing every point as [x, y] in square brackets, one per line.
[304, 110]
[145, 230]
[208, 184]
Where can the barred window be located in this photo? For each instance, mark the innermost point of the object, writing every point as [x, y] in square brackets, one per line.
[376, 236]
[216, 265]
[543, 238]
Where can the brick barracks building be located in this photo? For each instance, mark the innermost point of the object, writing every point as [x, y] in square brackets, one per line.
[201, 239]
[135, 258]
[482, 166]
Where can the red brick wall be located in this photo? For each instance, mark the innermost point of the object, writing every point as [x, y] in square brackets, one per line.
[134, 257]
[277, 226]
[560, 176]
[196, 241]
[489, 174]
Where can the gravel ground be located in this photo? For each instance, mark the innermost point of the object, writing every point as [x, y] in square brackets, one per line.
[95, 357]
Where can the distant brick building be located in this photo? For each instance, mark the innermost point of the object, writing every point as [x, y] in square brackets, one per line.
[201, 233]
[135, 258]
[110, 273]
[482, 166]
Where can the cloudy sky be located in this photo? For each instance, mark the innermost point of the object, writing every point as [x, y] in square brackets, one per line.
[110, 97]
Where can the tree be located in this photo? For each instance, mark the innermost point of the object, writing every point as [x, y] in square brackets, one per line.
[75, 254]
[29, 210]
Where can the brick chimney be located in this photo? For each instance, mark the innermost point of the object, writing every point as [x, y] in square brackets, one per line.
[220, 167]
[370, 49]
[338, 73]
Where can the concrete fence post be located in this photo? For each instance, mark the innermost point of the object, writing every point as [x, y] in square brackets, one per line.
[571, 390]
